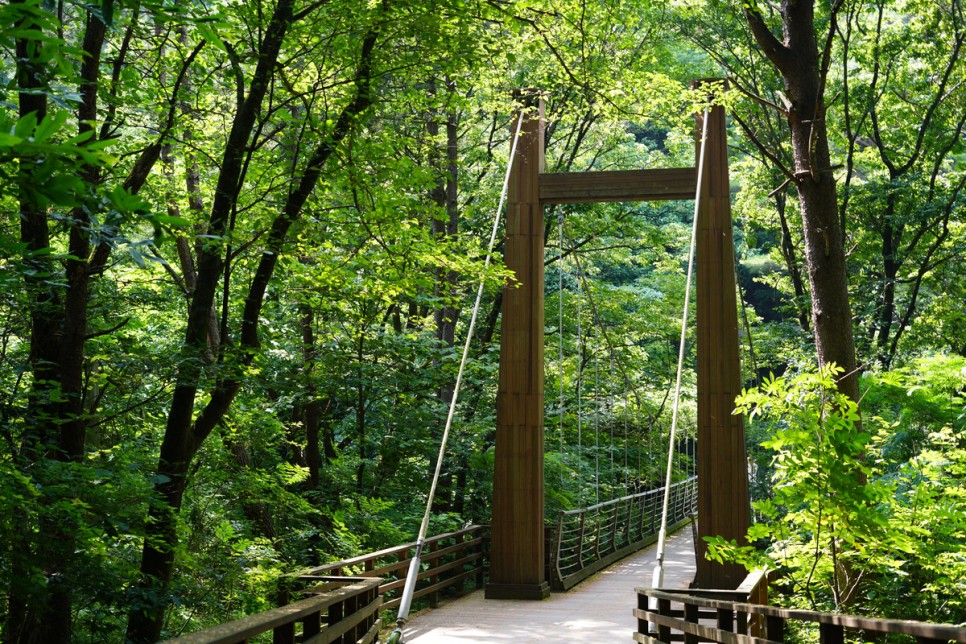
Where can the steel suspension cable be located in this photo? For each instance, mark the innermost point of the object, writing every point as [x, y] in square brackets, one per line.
[583, 285]
[560, 355]
[596, 410]
[580, 386]
[410, 587]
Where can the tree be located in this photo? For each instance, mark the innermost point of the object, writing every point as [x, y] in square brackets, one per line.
[71, 211]
[804, 68]
[902, 182]
[187, 430]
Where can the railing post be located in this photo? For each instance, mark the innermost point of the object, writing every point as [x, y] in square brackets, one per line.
[433, 563]
[284, 634]
[690, 616]
[555, 553]
[403, 558]
[336, 613]
[642, 624]
[458, 553]
[664, 608]
[352, 606]
[741, 623]
[311, 625]
[831, 634]
[613, 528]
[597, 536]
[580, 539]
[480, 576]
[774, 629]
[726, 619]
[627, 524]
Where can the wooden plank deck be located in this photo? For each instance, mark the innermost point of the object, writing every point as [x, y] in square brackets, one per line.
[596, 611]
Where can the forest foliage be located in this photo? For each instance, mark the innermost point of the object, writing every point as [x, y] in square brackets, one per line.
[239, 243]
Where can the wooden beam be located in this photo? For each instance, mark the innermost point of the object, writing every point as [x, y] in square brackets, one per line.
[517, 535]
[618, 185]
[723, 505]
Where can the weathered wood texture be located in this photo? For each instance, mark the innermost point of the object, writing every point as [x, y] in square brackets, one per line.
[517, 547]
[723, 504]
[736, 621]
[618, 185]
[452, 560]
[349, 613]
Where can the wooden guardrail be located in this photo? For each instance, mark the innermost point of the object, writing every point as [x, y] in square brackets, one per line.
[449, 561]
[590, 539]
[692, 616]
[347, 610]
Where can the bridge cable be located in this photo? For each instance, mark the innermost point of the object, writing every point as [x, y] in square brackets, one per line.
[658, 577]
[410, 587]
[583, 284]
[560, 354]
[580, 387]
[596, 409]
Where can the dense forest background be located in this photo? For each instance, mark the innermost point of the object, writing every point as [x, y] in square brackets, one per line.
[239, 242]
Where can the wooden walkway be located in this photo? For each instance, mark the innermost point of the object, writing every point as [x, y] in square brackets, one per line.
[598, 611]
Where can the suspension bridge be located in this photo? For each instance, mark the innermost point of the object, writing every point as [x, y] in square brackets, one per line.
[506, 571]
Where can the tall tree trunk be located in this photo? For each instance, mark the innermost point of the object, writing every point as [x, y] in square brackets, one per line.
[23, 615]
[184, 432]
[804, 69]
[55, 418]
[791, 264]
[445, 195]
[312, 407]
[182, 436]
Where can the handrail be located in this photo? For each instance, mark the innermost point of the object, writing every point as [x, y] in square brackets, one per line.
[589, 539]
[349, 613]
[449, 561]
[732, 620]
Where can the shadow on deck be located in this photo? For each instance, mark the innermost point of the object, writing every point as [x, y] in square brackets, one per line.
[597, 610]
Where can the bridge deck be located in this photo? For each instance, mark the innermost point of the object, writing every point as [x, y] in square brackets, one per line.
[596, 611]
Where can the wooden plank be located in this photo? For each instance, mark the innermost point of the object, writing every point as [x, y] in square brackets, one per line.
[699, 630]
[831, 634]
[944, 632]
[618, 185]
[395, 550]
[399, 583]
[248, 627]
[644, 639]
[394, 603]
[336, 630]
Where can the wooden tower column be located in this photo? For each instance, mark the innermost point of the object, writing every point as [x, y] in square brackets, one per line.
[723, 505]
[517, 546]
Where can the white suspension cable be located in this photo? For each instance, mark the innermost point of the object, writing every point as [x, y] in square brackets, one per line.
[658, 577]
[627, 409]
[408, 591]
[610, 406]
[560, 324]
[596, 409]
[580, 405]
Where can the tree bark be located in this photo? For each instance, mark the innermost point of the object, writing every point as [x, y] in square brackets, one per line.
[804, 68]
[185, 433]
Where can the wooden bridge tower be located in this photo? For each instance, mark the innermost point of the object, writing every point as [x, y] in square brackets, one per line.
[517, 547]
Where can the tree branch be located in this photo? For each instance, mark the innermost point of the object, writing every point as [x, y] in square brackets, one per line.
[777, 52]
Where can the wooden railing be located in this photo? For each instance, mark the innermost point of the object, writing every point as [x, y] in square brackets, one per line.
[693, 616]
[587, 540]
[449, 561]
[338, 610]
